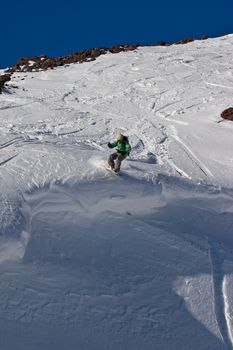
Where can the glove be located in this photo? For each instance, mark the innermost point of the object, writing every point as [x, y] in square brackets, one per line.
[109, 145]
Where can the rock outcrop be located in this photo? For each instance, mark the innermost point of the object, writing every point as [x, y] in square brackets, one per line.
[227, 114]
[32, 64]
[3, 79]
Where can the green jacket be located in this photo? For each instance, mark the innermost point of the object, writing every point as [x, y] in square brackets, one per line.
[123, 147]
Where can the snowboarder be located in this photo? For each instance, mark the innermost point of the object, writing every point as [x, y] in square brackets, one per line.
[123, 149]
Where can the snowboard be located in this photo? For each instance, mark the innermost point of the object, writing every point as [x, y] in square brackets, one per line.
[107, 167]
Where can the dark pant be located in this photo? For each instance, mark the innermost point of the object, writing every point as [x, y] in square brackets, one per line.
[115, 160]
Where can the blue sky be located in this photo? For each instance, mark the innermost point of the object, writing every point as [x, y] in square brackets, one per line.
[56, 28]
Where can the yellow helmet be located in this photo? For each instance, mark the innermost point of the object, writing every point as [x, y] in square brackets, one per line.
[120, 137]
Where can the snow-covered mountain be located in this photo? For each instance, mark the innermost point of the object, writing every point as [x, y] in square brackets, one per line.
[143, 260]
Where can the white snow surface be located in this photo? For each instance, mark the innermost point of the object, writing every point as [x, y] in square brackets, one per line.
[141, 260]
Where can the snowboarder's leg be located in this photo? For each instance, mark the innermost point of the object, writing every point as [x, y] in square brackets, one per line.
[118, 161]
[111, 160]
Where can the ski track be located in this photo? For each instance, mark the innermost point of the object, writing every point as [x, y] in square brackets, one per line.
[219, 85]
[220, 297]
[194, 159]
[7, 160]
[11, 142]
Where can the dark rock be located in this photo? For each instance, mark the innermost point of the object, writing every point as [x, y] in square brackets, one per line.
[185, 41]
[132, 47]
[95, 53]
[227, 114]
[27, 60]
[116, 49]
[3, 79]
[162, 43]
[42, 57]
[120, 48]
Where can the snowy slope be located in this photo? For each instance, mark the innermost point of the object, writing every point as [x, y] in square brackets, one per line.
[142, 260]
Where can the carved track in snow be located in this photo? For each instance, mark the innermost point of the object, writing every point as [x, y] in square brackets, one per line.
[194, 159]
[11, 142]
[7, 160]
[220, 298]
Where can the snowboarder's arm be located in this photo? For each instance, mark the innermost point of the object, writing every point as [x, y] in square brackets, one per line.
[112, 144]
[128, 148]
